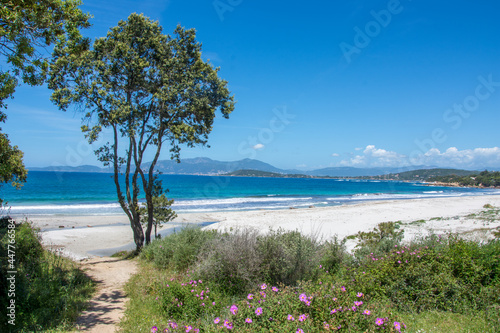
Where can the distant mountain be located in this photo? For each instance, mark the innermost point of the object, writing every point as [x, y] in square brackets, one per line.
[207, 166]
[81, 168]
[257, 173]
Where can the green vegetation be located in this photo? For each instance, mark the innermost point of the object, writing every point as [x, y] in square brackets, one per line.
[26, 27]
[50, 291]
[423, 174]
[258, 173]
[287, 282]
[163, 94]
[483, 179]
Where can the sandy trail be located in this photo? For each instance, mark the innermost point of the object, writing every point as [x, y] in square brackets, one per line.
[107, 307]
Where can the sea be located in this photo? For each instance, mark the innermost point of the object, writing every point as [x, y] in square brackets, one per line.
[73, 193]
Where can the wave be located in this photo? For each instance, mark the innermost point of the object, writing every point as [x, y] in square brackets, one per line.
[234, 201]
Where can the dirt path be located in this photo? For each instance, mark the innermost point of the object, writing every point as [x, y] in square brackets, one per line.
[108, 304]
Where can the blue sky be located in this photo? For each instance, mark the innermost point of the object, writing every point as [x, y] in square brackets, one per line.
[318, 83]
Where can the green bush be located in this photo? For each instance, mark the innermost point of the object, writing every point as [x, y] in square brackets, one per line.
[454, 275]
[238, 260]
[288, 257]
[378, 242]
[50, 290]
[231, 262]
[178, 250]
[334, 255]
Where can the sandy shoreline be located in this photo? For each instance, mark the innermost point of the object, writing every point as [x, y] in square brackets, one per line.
[83, 236]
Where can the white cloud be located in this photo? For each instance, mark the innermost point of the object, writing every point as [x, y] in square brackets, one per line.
[375, 157]
[258, 146]
[335, 155]
[478, 158]
[474, 159]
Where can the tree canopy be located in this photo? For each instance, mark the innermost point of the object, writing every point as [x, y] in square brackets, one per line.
[27, 27]
[150, 91]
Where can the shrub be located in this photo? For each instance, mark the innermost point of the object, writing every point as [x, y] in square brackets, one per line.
[236, 261]
[454, 275]
[178, 250]
[309, 307]
[50, 290]
[288, 257]
[334, 255]
[231, 261]
[378, 242]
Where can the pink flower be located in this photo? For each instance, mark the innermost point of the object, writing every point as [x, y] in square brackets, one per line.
[258, 311]
[333, 311]
[299, 330]
[263, 286]
[250, 296]
[228, 325]
[216, 320]
[379, 321]
[234, 309]
[367, 312]
[189, 328]
[359, 294]
[154, 329]
[302, 317]
[248, 320]
[275, 289]
[342, 288]
[290, 318]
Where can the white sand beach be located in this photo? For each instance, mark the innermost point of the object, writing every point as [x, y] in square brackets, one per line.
[80, 237]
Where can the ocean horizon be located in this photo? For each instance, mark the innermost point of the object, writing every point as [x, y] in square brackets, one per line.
[75, 193]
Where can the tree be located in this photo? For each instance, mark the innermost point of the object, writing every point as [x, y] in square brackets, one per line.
[26, 28]
[162, 212]
[150, 90]
[12, 169]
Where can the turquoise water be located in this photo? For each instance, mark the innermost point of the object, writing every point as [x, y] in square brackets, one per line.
[47, 193]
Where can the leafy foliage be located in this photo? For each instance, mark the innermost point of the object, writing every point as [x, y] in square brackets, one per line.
[148, 88]
[26, 28]
[483, 179]
[378, 242]
[11, 166]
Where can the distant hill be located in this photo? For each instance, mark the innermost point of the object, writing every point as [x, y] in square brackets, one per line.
[425, 174]
[81, 168]
[207, 166]
[257, 173]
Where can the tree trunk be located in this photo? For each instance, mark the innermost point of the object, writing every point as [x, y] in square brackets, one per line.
[138, 233]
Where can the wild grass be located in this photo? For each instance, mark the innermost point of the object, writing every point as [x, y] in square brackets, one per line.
[287, 282]
[50, 290]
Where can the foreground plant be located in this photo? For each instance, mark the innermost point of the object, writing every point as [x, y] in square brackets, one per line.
[309, 307]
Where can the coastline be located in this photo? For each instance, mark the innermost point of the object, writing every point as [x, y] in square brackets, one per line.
[80, 237]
